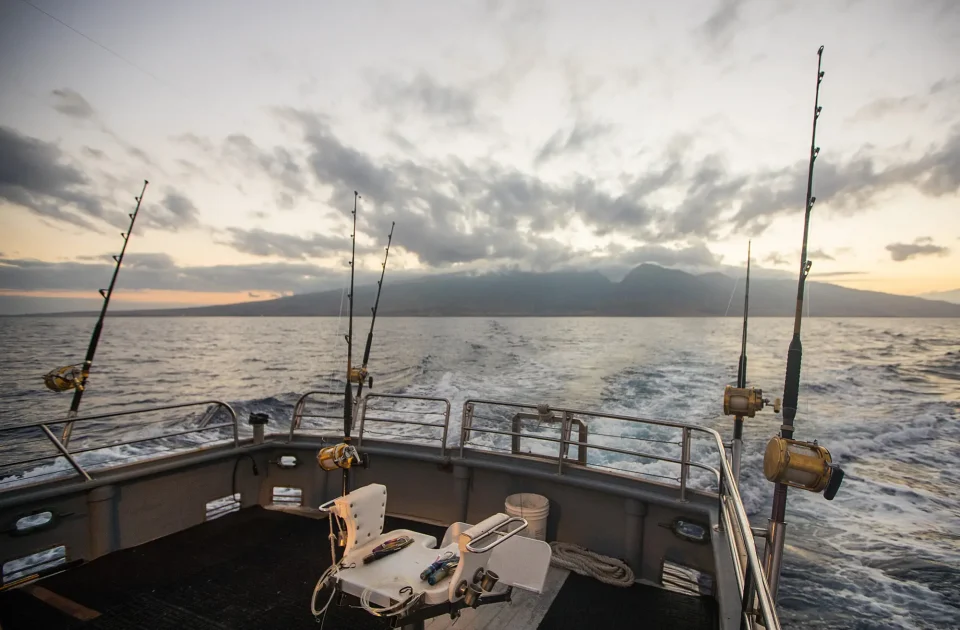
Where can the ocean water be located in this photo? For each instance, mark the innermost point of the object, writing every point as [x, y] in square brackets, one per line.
[882, 395]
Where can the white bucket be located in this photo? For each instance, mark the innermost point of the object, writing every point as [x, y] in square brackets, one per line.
[533, 507]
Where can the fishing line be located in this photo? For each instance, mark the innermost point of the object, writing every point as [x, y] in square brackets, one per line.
[735, 282]
[101, 46]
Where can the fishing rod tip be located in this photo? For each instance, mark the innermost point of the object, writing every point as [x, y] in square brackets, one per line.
[820, 52]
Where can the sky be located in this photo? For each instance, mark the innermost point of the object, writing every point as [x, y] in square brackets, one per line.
[497, 135]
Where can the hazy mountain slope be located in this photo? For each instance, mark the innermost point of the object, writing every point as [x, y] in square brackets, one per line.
[648, 290]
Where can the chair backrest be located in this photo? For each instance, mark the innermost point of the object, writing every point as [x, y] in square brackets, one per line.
[362, 511]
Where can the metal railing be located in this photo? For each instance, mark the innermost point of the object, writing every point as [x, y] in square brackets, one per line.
[753, 585]
[444, 426]
[570, 417]
[757, 603]
[70, 455]
[299, 408]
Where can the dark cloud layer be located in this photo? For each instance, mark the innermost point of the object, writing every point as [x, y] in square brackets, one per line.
[452, 212]
[159, 272]
[921, 247]
[35, 175]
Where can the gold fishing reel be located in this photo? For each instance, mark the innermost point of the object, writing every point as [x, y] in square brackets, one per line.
[359, 375]
[805, 465]
[339, 456]
[745, 401]
[64, 379]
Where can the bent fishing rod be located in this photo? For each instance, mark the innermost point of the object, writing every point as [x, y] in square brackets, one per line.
[361, 374]
[66, 378]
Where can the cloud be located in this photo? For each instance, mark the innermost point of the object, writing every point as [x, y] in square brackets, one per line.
[775, 259]
[259, 242]
[837, 274]
[279, 164]
[174, 213]
[583, 133]
[424, 95]
[451, 212]
[819, 254]
[921, 247]
[72, 104]
[34, 175]
[154, 271]
[849, 186]
[912, 104]
[720, 25]
[692, 256]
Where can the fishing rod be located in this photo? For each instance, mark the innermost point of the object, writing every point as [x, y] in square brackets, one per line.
[789, 462]
[741, 375]
[69, 377]
[348, 387]
[361, 375]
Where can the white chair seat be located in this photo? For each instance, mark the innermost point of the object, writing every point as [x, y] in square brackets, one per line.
[520, 562]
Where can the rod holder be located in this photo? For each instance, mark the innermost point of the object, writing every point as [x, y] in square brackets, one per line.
[472, 596]
[258, 421]
[489, 580]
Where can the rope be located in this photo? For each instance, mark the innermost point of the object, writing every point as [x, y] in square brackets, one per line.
[585, 562]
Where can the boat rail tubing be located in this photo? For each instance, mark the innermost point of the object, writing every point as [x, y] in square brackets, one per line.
[727, 485]
[610, 449]
[44, 426]
[302, 403]
[446, 416]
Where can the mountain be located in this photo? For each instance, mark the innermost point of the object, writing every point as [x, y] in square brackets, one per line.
[647, 290]
[944, 296]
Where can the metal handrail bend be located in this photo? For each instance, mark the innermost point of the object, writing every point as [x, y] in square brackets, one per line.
[81, 471]
[446, 416]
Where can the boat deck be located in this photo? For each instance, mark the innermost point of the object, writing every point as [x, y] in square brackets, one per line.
[256, 568]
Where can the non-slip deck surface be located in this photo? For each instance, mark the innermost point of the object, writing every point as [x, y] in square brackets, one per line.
[256, 569]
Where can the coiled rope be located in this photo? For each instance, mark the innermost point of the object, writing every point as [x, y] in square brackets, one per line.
[585, 562]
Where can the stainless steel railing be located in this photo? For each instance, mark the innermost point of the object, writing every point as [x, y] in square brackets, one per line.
[70, 455]
[396, 420]
[564, 440]
[299, 410]
[753, 585]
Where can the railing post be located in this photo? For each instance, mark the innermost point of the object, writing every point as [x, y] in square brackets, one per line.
[721, 505]
[446, 427]
[466, 419]
[564, 440]
[233, 418]
[684, 458]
